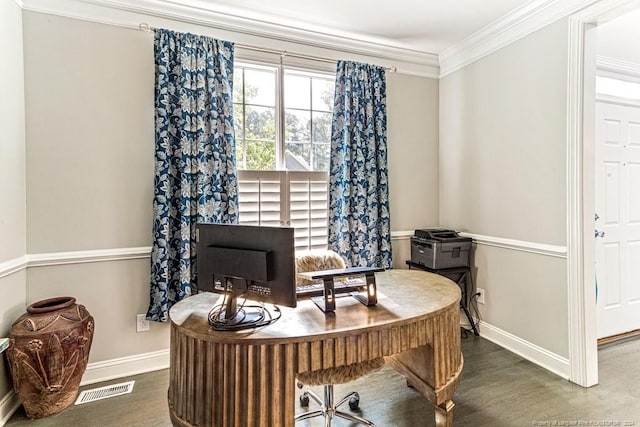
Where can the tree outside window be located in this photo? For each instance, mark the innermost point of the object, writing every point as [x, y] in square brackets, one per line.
[307, 106]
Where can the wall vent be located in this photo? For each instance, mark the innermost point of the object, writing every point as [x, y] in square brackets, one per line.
[105, 392]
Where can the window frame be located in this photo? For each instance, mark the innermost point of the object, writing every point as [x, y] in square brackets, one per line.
[280, 69]
[280, 173]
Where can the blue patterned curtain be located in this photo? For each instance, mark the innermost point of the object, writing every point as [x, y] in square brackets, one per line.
[359, 223]
[195, 170]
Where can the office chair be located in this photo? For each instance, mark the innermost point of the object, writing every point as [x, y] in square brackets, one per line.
[318, 261]
[327, 378]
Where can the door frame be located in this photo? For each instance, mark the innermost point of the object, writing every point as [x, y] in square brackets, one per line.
[581, 72]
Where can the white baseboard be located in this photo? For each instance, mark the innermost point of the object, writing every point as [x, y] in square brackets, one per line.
[552, 362]
[125, 366]
[98, 372]
[8, 405]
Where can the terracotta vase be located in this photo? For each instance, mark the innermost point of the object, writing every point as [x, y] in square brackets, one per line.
[48, 353]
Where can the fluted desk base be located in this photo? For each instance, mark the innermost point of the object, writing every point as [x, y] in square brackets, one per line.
[236, 379]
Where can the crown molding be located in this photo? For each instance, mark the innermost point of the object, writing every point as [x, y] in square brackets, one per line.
[618, 67]
[506, 30]
[130, 13]
[19, 3]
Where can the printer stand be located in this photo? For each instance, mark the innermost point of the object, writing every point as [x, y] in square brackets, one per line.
[460, 275]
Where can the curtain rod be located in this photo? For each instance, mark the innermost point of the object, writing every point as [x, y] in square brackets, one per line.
[147, 29]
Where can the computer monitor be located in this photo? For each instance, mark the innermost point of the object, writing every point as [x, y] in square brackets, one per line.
[252, 262]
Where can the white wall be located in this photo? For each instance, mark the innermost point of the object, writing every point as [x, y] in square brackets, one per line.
[89, 103]
[12, 177]
[502, 174]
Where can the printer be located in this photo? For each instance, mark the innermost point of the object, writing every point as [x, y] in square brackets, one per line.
[439, 248]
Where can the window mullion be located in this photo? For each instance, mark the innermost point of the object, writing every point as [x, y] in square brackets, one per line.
[285, 198]
[244, 121]
[280, 118]
[311, 159]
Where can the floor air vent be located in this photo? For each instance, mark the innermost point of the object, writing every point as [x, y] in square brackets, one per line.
[104, 392]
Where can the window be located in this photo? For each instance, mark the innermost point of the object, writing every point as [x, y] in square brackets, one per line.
[254, 115]
[283, 136]
[308, 102]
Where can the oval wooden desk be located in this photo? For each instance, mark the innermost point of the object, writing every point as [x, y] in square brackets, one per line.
[243, 379]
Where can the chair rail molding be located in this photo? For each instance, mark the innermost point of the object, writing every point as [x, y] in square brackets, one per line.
[518, 245]
[500, 242]
[401, 235]
[78, 257]
[13, 266]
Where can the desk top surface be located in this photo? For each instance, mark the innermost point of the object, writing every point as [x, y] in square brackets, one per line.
[404, 296]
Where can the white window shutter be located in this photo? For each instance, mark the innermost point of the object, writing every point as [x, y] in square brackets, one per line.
[308, 208]
[260, 198]
[297, 199]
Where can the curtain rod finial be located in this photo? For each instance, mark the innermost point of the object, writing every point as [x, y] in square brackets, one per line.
[145, 27]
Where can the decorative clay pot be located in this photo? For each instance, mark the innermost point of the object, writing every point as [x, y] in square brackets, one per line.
[48, 353]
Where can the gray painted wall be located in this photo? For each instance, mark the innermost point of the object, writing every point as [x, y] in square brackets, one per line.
[502, 174]
[12, 173]
[89, 117]
[413, 157]
[12, 161]
[89, 103]
[89, 106]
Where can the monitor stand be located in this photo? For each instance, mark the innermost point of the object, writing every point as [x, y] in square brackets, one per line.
[327, 302]
[229, 318]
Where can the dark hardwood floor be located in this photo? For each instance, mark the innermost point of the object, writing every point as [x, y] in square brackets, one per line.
[498, 388]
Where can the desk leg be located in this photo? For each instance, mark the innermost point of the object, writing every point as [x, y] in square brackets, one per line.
[444, 414]
[418, 367]
[435, 369]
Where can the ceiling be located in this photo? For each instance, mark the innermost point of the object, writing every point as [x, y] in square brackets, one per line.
[427, 26]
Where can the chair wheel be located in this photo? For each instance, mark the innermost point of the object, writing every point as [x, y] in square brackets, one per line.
[304, 400]
[354, 402]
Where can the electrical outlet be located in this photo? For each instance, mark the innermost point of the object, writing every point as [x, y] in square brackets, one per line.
[480, 293]
[142, 324]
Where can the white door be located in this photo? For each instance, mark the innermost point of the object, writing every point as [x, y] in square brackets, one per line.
[618, 208]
